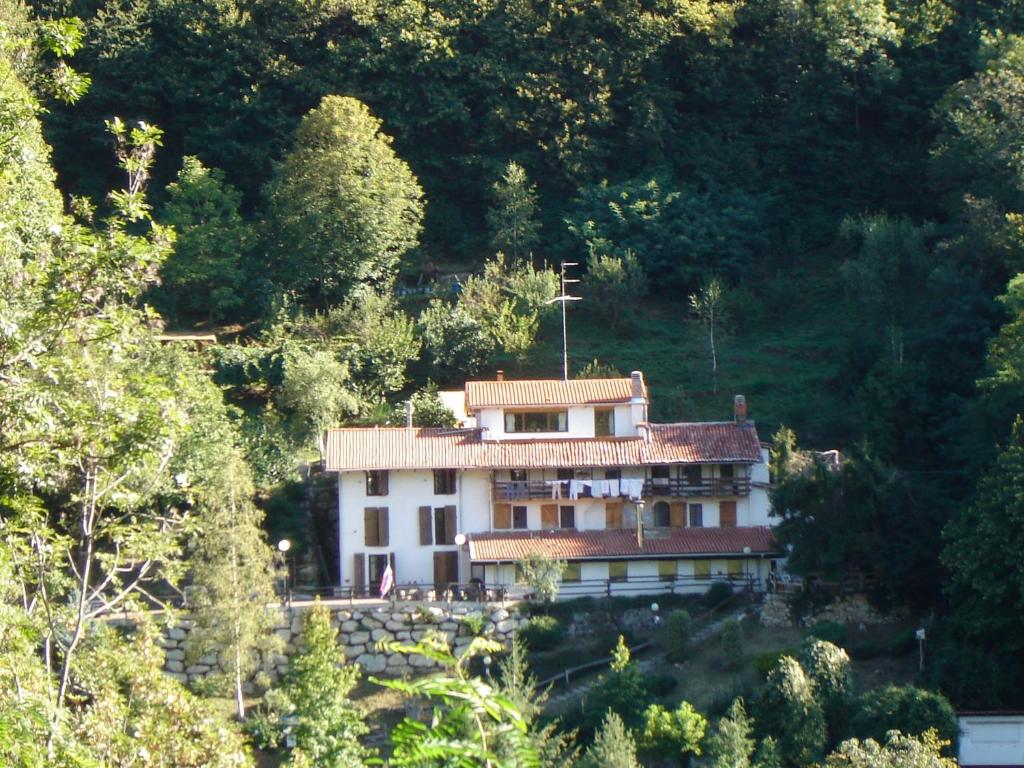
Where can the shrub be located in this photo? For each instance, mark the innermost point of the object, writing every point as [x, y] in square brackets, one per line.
[542, 633]
[474, 624]
[678, 628]
[789, 712]
[731, 639]
[661, 685]
[907, 709]
[829, 667]
[829, 631]
[673, 735]
[717, 594]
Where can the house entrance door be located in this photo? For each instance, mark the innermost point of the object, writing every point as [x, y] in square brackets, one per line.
[446, 570]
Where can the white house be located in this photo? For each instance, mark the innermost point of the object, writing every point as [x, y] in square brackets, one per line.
[569, 469]
[991, 739]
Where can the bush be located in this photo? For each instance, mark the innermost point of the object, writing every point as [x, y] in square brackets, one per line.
[717, 594]
[866, 649]
[678, 628]
[542, 633]
[661, 685]
[830, 632]
[907, 709]
[789, 712]
[732, 644]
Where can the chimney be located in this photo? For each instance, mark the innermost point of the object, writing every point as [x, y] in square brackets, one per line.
[500, 375]
[408, 413]
[739, 409]
[637, 391]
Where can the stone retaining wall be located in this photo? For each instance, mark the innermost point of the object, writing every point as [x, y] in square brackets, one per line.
[849, 610]
[359, 632]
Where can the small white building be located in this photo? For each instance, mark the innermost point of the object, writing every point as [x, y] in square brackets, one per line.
[991, 739]
[569, 469]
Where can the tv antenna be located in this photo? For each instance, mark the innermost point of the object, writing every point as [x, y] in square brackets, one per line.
[563, 299]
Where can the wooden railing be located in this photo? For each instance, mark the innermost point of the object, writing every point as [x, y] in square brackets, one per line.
[526, 490]
[707, 486]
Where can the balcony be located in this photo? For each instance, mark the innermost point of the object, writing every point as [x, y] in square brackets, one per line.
[526, 490]
[708, 486]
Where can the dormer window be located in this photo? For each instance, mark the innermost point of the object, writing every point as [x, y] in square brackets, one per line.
[537, 421]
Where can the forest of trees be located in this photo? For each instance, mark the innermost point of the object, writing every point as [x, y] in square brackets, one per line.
[368, 199]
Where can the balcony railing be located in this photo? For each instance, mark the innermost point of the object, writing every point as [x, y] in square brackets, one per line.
[707, 486]
[525, 490]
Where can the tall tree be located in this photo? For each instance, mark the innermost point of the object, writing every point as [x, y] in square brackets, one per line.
[707, 305]
[343, 207]
[613, 746]
[512, 218]
[232, 578]
[202, 277]
[789, 712]
[731, 744]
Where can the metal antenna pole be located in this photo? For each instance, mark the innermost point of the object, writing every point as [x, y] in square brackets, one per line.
[563, 299]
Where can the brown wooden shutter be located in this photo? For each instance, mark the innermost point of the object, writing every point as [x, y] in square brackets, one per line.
[727, 514]
[677, 514]
[502, 515]
[359, 572]
[371, 532]
[426, 529]
[383, 533]
[613, 514]
[394, 568]
[451, 523]
[548, 516]
[384, 482]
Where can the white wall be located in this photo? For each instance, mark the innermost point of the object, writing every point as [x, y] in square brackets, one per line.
[991, 740]
[407, 492]
[580, 422]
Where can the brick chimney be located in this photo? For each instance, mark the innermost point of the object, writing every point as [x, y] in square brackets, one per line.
[739, 409]
[637, 391]
[500, 375]
[408, 413]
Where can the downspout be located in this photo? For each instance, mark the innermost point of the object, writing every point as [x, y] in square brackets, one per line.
[341, 536]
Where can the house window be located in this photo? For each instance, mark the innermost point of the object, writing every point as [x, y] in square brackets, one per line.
[613, 474]
[519, 517]
[666, 570]
[377, 482]
[702, 569]
[444, 482]
[662, 515]
[660, 473]
[375, 526]
[692, 476]
[517, 475]
[734, 567]
[696, 515]
[726, 471]
[444, 525]
[572, 573]
[567, 516]
[604, 422]
[378, 564]
[537, 421]
[617, 570]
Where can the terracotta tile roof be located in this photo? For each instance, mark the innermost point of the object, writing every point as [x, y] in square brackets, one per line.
[428, 448]
[602, 545]
[536, 392]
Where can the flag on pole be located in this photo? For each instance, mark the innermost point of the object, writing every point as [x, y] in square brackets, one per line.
[387, 581]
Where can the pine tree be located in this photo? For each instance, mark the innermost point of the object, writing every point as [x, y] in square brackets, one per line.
[613, 746]
[318, 686]
[731, 745]
[511, 219]
[233, 576]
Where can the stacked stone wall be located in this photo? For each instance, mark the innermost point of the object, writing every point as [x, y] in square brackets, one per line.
[854, 609]
[359, 632]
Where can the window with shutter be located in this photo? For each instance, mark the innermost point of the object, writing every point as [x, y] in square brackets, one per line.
[451, 524]
[383, 529]
[502, 516]
[567, 516]
[371, 535]
[548, 516]
[727, 514]
[696, 515]
[677, 513]
[613, 514]
[426, 533]
[377, 482]
[617, 571]
[519, 517]
[359, 572]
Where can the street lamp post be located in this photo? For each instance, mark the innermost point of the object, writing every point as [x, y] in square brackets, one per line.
[283, 546]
